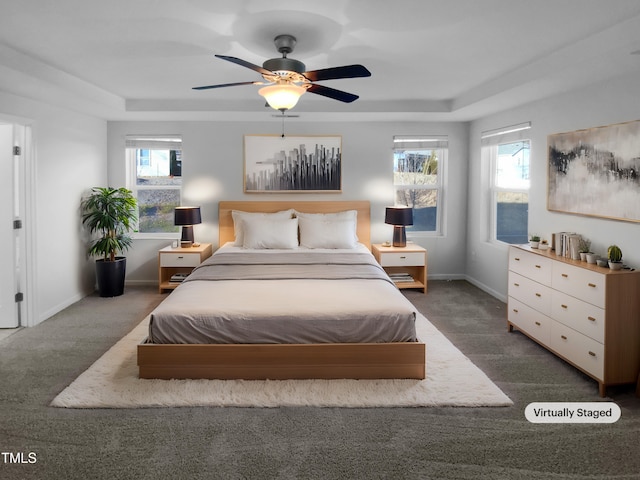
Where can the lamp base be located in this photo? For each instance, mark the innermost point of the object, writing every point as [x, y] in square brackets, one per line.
[187, 234]
[399, 236]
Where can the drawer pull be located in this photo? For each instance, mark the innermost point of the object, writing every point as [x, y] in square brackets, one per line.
[516, 284]
[403, 257]
[538, 295]
[538, 266]
[538, 324]
[516, 259]
[591, 353]
[180, 256]
[565, 275]
[591, 318]
[564, 306]
[563, 337]
[515, 310]
[592, 285]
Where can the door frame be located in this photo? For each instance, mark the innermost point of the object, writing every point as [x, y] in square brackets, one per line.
[23, 130]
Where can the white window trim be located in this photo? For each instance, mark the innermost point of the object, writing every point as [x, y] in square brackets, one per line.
[150, 142]
[490, 140]
[427, 142]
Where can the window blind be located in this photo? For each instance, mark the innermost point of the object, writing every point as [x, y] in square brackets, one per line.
[510, 134]
[155, 142]
[422, 142]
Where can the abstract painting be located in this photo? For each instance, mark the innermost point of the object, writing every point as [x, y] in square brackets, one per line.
[273, 163]
[596, 172]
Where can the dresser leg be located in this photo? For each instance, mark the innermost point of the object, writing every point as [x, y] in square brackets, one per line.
[509, 327]
[602, 389]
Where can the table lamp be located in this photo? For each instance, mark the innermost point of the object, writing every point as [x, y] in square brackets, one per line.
[399, 217]
[187, 217]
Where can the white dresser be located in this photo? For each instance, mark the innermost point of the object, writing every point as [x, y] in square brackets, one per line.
[585, 314]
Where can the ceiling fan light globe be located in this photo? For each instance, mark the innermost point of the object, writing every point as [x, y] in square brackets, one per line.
[281, 97]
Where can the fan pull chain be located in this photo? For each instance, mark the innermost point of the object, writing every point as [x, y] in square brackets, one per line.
[282, 124]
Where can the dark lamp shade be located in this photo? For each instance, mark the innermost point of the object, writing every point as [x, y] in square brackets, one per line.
[187, 216]
[399, 216]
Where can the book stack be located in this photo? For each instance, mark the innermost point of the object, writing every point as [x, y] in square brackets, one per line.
[567, 243]
[178, 277]
[401, 277]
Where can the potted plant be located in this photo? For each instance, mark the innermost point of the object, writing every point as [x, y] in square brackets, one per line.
[614, 254]
[534, 241]
[584, 247]
[110, 213]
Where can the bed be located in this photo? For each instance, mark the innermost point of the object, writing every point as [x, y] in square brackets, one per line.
[286, 311]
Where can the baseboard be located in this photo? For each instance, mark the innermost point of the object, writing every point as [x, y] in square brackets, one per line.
[142, 283]
[483, 287]
[58, 308]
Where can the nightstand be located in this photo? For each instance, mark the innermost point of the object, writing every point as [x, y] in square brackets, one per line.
[407, 266]
[178, 260]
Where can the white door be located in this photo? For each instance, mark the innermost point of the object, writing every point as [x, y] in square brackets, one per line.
[10, 179]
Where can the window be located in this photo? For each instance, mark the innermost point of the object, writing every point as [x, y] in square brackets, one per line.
[507, 152]
[418, 171]
[155, 177]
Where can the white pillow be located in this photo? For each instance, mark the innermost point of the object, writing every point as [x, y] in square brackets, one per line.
[328, 230]
[268, 232]
[239, 217]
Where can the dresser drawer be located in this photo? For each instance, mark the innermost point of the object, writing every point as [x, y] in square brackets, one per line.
[530, 265]
[529, 320]
[401, 259]
[532, 293]
[582, 351]
[579, 315]
[579, 282]
[179, 259]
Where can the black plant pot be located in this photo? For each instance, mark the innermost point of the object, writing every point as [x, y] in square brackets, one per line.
[110, 276]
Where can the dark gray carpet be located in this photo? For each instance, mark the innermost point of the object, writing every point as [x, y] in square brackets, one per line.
[314, 443]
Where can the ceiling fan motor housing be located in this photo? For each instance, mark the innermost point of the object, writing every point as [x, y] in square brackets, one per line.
[284, 64]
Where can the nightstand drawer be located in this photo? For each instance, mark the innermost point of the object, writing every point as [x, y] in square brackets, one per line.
[401, 259]
[179, 259]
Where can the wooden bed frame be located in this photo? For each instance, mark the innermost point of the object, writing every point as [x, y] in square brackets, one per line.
[284, 361]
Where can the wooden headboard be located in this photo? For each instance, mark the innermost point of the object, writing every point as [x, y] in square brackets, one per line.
[225, 221]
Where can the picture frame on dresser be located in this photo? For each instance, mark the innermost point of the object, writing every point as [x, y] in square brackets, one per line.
[292, 163]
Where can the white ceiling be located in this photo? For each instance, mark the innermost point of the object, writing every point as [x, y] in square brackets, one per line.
[429, 59]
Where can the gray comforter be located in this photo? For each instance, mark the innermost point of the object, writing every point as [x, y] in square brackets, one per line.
[285, 298]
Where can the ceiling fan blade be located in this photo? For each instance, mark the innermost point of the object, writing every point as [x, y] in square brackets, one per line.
[348, 71]
[332, 93]
[244, 63]
[227, 85]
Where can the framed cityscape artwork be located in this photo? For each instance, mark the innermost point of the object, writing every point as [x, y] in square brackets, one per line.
[311, 163]
[596, 172]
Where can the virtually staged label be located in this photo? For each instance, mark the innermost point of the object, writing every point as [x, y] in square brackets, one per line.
[572, 412]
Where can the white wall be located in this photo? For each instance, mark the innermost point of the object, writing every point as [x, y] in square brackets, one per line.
[613, 102]
[213, 171]
[69, 156]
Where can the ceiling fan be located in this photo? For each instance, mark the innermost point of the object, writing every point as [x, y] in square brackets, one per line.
[286, 79]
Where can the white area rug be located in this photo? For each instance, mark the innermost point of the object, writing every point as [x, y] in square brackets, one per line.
[452, 380]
